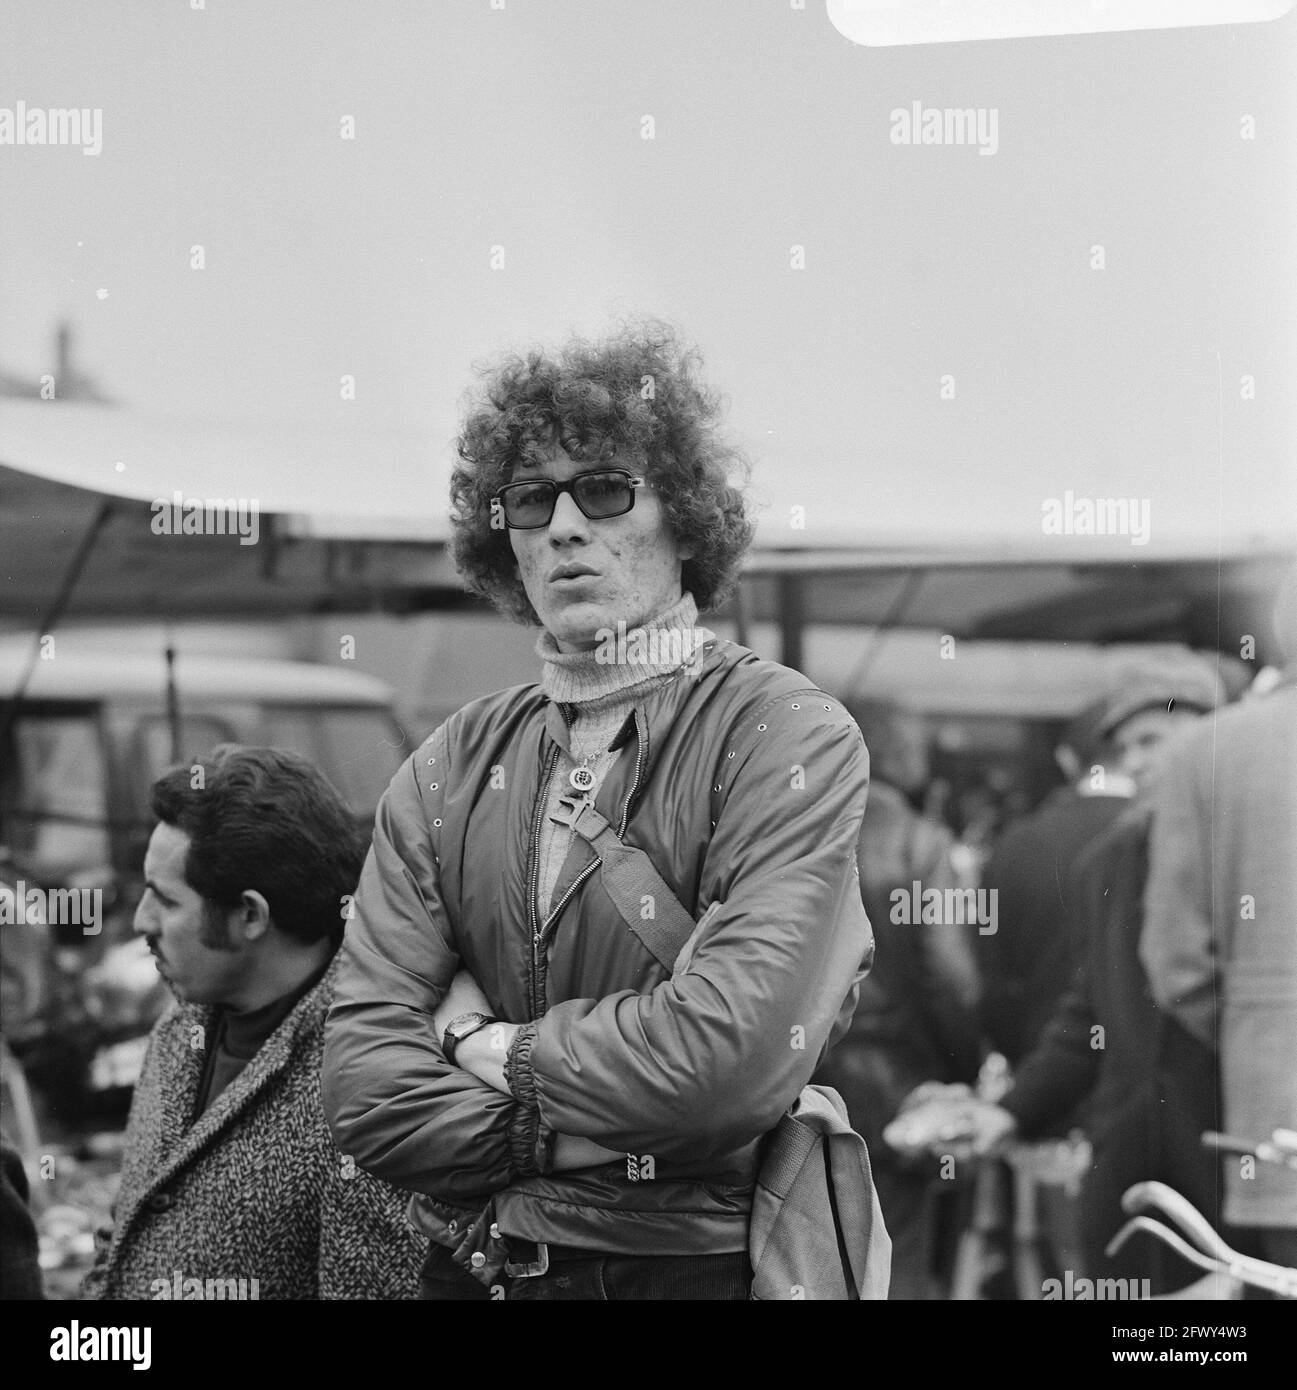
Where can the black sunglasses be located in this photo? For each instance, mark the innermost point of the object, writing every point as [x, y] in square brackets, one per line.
[600, 494]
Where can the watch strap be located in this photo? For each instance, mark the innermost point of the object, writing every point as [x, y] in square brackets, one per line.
[451, 1039]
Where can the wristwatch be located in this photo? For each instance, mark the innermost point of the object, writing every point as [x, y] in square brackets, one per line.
[460, 1027]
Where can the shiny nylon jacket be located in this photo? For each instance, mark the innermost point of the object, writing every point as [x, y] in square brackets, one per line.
[746, 786]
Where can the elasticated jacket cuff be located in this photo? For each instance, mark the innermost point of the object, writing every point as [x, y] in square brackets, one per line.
[528, 1150]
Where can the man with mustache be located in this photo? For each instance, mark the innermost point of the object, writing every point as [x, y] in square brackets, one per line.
[230, 1176]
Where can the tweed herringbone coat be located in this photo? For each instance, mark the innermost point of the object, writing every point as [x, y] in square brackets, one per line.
[255, 1187]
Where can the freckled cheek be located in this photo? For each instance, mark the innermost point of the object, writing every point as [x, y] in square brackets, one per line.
[529, 569]
[646, 563]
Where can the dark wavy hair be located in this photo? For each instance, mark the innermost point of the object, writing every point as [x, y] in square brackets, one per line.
[268, 821]
[637, 393]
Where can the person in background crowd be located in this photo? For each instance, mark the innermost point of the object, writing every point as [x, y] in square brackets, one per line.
[1149, 1087]
[1025, 965]
[1220, 933]
[231, 1183]
[20, 1271]
[916, 1019]
[579, 1119]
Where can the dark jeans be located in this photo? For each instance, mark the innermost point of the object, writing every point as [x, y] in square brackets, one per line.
[604, 1278]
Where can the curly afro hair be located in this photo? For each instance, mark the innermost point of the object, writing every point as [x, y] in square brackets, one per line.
[634, 393]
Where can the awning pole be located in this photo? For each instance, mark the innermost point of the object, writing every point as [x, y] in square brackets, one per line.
[792, 619]
[173, 696]
[892, 618]
[54, 614]
[741, 633]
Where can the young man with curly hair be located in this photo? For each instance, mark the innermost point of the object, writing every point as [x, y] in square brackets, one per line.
[577, 1117]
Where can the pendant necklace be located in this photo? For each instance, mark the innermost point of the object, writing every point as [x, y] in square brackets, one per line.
[582, 778]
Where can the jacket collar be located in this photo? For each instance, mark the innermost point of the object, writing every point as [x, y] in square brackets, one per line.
[654, 712]
[651, 716]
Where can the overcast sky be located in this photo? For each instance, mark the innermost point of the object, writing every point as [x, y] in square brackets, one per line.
[523, 127]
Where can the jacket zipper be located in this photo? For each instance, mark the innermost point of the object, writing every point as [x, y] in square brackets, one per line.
[640, 754]
[540, 932]
[533, 878]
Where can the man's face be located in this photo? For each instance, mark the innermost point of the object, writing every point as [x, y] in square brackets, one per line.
[631, 562]
[1138, 741]
[182, 928]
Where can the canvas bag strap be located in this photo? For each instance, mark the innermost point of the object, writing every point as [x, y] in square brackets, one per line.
[786, 1158]
[861, 1249]
[835, 1195]
[629, 878]
[628, 875]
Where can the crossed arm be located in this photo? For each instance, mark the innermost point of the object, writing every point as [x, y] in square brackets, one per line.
[482, 1054]
[621, 1073]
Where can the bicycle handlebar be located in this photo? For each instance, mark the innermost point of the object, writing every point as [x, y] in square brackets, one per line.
[1207, 1251]
[1167, 1236]
[1275, 1150]
[1157, 1196]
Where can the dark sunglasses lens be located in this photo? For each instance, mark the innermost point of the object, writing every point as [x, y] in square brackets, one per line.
[603, 494]
[528, 504]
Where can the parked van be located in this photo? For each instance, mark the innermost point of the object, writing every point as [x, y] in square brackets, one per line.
[92, 733]
[79, 752]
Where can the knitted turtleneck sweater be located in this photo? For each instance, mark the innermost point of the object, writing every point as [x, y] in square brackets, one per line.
[603, 686]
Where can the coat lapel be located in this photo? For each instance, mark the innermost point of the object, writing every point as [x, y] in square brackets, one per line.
[272, 1058]
[164, 1099]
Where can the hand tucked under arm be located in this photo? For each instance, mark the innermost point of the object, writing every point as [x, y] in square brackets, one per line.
[463, 997]
[572, 1152]
[483, 1054]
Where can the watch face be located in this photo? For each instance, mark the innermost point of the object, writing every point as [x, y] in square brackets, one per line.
[462, 1026]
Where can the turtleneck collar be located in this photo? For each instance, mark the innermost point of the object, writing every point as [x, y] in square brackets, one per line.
[627, 660]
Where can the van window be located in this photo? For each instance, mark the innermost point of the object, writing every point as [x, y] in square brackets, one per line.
[358, 750]
[198, 734]
[56, 797]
